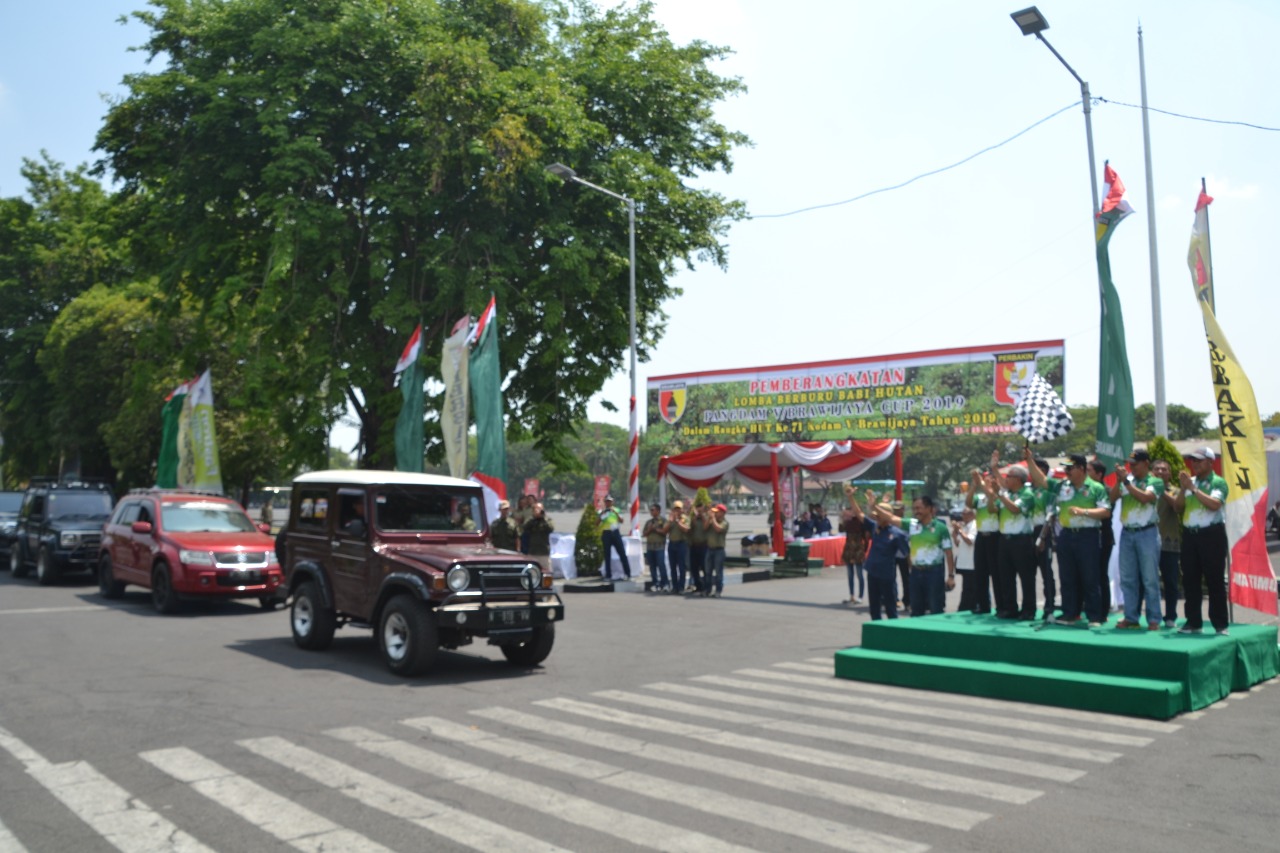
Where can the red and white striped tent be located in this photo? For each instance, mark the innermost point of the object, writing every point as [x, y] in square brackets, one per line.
[759, 466]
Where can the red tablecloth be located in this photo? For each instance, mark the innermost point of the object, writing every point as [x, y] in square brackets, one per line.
[829, 550]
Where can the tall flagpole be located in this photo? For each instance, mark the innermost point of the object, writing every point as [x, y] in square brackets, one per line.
[1157, 328]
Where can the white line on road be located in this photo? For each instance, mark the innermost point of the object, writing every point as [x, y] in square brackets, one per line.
[832, 692]
[932, 779]
[1003, 705]
[717, 804]
[893, 805]
[898, 724]
[542, 799]
[293, 824]
[8, 842]
[120, 818]
[459, 826]
[886, 743]
[78, 609]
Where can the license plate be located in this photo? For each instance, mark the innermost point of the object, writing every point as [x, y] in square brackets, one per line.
[510, 616]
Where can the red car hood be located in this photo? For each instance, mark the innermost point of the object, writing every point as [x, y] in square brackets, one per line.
[241, 541]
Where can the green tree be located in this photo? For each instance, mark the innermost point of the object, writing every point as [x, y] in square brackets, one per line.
[1183, 422]
[588, 550]
[322, 176]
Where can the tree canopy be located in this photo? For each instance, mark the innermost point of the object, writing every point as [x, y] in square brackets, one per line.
[317, 178]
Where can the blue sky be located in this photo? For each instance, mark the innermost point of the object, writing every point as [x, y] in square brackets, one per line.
[848, 97]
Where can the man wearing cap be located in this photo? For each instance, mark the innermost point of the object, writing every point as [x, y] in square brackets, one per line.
[1138, 491]
[611, 538]
[717, 533]
[678, 545]
[655, 548]
[1016, 554]
[504, 533]
[1204, 541]
[1083, 506]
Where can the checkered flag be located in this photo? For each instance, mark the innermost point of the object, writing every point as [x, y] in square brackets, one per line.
[1040, 414]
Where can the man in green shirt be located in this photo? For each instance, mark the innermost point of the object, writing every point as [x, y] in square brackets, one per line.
[611, 538]
[1083, 506]
[931, 555]
[1016, 554]
[1138, 490]
[504, 532]
[1204, 541]
[987, 546]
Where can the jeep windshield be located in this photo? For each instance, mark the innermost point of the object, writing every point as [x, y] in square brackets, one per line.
[427, 509]
[205, 517]
[79, 504]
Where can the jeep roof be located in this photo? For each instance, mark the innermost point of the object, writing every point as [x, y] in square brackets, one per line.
[361, 477]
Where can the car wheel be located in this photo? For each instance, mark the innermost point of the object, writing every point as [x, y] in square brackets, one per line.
[407, 636]
[163, 598]
[533, 651]
[46, 567]
[312, 622]
[108, 586]
[17, 566]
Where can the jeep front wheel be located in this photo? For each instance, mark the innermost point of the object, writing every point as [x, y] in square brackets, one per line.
[407, 636]
[108, 586]
[46, 567]
[313, 623]
[534, 650]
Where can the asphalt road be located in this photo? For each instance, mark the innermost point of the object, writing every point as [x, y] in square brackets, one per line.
[657, 723]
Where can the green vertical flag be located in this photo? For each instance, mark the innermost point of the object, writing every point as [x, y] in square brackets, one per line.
[410, 443]
[486, 396]
[1115, 385]
[167, 464]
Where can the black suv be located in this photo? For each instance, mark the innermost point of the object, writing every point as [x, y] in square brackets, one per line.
[10, 503]
[59, 528]
[406, 555]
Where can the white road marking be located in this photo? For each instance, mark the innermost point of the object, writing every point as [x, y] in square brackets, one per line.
[1001, 739]
[1003, 705]
[886, 743]
[459, 826]
[543, 799]
[293, 824]
[842, 696]
[718, 804]
[9, 842]
[932, 779]
[895, 806]
[120, 818]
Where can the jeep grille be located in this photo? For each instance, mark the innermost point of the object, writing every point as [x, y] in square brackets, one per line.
[499, 578]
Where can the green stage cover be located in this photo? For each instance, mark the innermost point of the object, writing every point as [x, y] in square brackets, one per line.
[1145, 673]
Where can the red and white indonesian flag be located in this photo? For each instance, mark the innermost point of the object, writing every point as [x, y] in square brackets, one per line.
[1114, 199]
[411, 351]
[1244, 460]
[486, 317]
[494, 490]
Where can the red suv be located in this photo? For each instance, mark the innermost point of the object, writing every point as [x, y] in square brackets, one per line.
[187, 545]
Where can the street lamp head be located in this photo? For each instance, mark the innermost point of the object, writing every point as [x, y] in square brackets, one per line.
[1030, 21]
[562, 171]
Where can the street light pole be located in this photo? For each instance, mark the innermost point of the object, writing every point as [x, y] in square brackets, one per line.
[566, 174]
[1031, 22]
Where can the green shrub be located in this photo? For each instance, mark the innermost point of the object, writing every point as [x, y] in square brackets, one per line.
[1161, 448]
[702, 498]
[588, 550]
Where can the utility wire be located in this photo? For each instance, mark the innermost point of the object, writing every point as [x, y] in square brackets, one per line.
[917, 177]
[1025, 130]
[1191, 118]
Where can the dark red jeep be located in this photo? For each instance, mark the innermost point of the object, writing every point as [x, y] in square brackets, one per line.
[406, 555]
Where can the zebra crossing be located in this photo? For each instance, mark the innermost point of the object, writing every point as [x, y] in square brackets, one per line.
[771, 758]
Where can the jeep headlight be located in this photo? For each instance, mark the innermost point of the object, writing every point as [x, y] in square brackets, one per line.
[531, 579]
[8, 528]
[196, 558]
[69, 540]
[458, 578]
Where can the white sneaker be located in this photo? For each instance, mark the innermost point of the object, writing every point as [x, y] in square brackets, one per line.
[1224, 633]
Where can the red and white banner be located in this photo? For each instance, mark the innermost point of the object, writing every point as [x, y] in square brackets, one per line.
[494, 491]
[601, 490]
[829, 460]
[533, 487]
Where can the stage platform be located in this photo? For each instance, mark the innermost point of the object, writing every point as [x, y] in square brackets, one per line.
[1121, 671]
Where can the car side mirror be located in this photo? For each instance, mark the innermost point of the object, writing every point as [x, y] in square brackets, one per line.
[141, 527]
[264, 527]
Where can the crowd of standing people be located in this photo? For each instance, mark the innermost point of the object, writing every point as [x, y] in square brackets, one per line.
[685, 552]
[528, 530]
